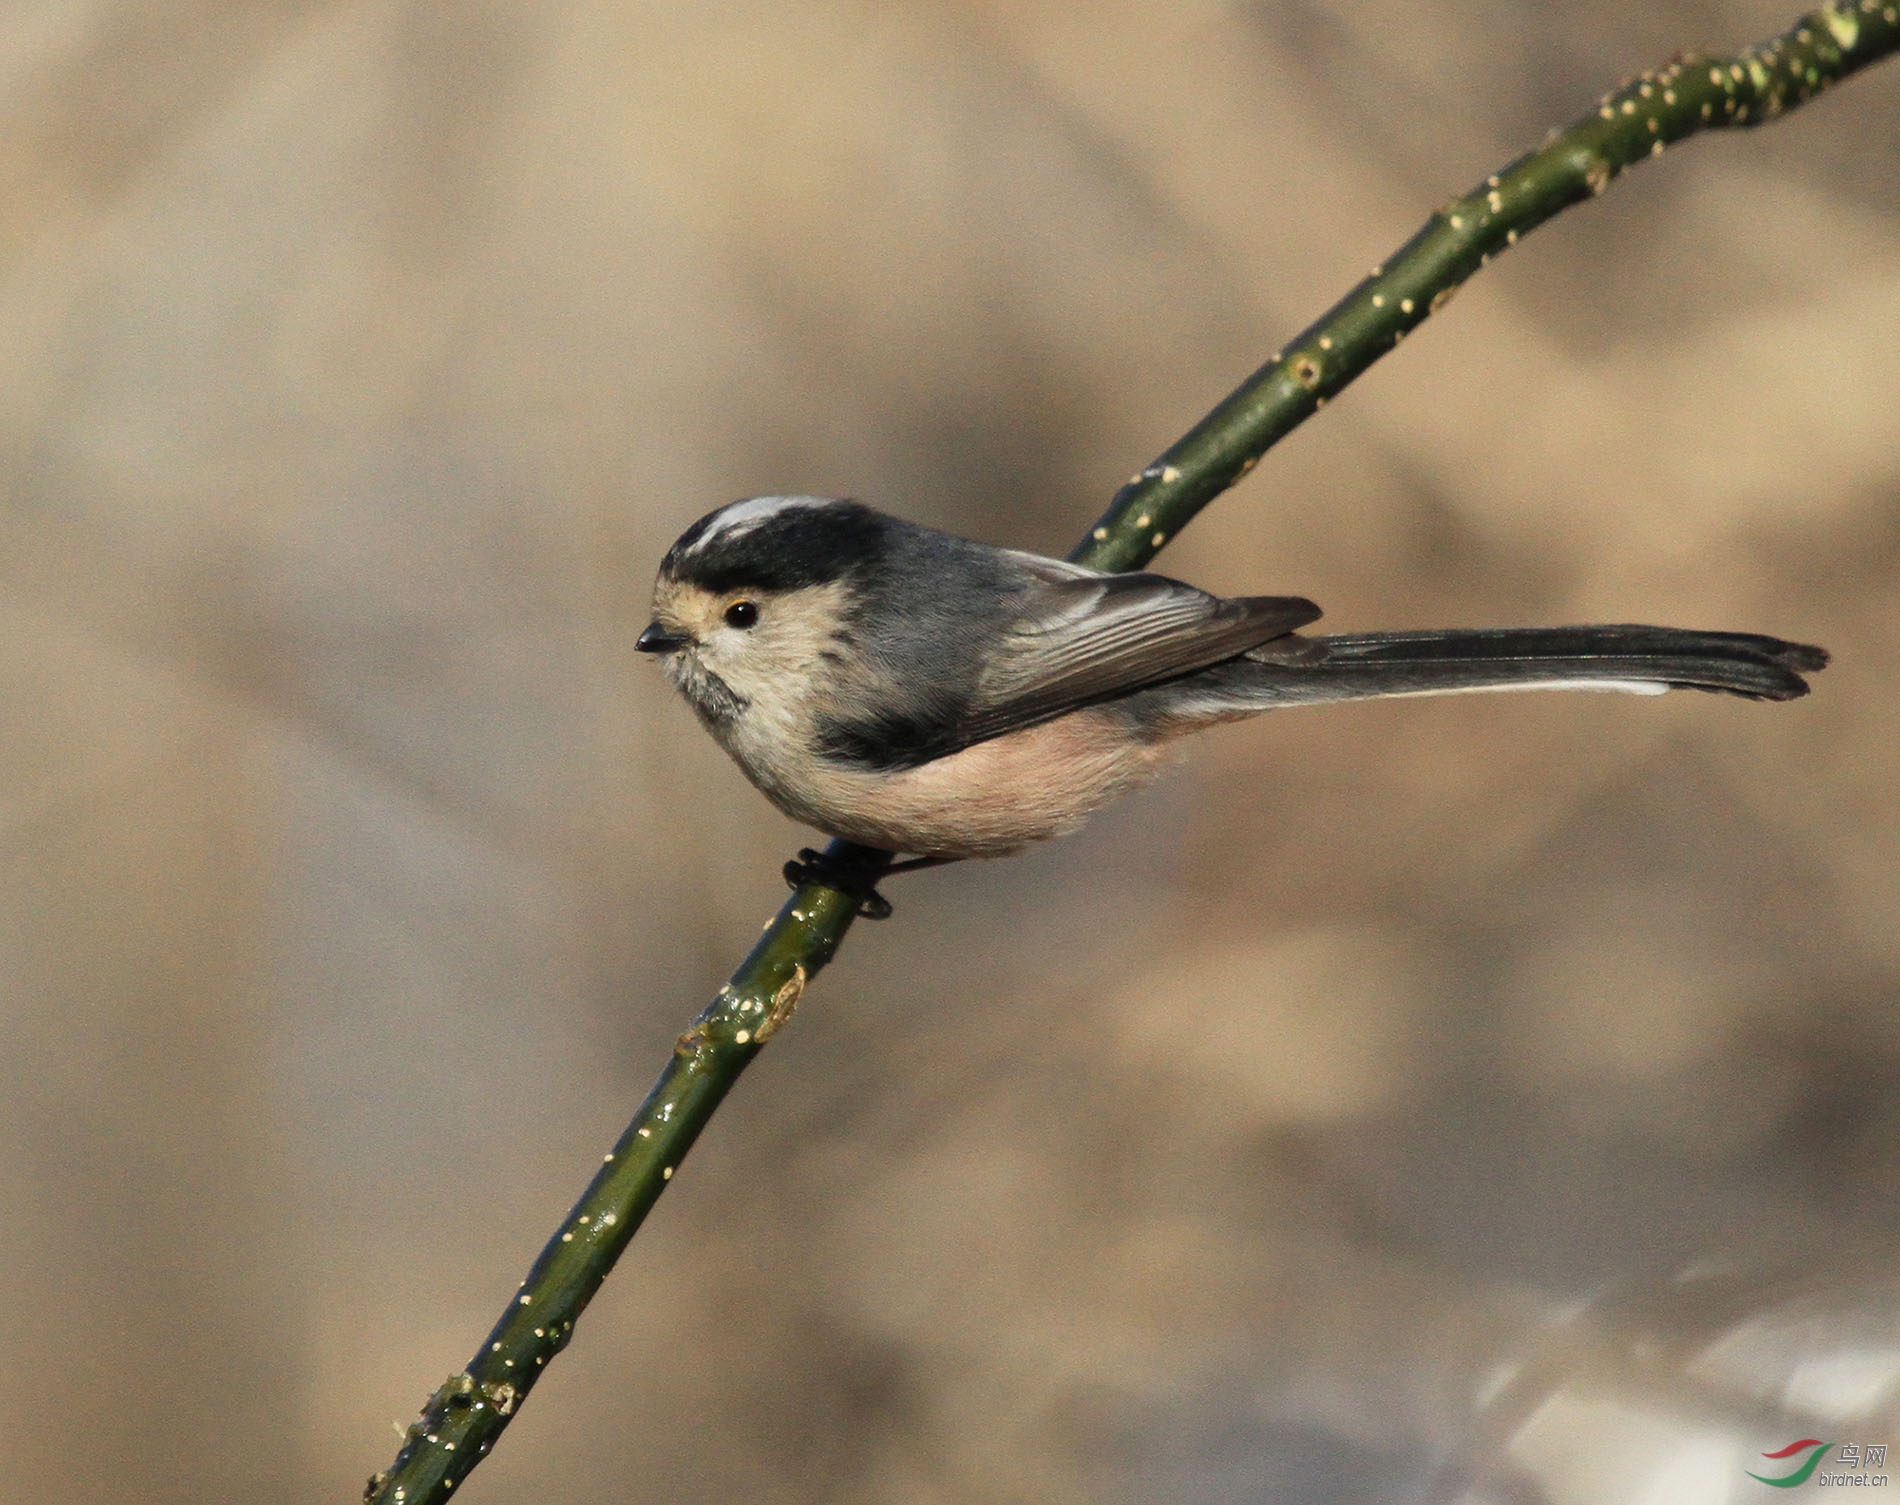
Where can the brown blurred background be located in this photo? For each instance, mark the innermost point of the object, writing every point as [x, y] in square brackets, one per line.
[357, 362]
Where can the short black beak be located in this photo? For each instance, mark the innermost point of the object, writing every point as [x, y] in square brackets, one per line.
[656, 639]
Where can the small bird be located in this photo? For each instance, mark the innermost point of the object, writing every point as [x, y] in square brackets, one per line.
[913, 691]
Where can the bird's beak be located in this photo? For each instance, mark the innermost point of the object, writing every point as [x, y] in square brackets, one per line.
[656, 639]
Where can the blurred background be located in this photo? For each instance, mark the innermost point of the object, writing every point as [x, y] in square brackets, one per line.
[1486, 1099]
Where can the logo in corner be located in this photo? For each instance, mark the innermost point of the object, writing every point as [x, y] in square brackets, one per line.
[1800, 1475]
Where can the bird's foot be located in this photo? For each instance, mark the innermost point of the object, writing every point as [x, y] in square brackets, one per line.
[855, 877]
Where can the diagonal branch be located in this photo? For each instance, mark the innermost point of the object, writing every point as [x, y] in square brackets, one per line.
[1692, 93]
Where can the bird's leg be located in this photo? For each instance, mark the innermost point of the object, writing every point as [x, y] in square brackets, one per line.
[854, 877]
[917, 864]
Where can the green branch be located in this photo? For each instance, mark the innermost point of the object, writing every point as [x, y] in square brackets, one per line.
[1693, 93]
[464, 1417]
[1690, 94]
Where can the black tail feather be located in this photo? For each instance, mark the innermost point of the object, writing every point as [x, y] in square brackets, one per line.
[1355, 666]
[1740, 663]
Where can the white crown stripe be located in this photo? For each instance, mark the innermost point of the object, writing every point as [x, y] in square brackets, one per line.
[743, 517]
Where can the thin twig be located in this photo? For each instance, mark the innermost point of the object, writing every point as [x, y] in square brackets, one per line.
[1693, 93]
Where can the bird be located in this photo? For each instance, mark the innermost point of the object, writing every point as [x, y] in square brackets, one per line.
[916, 692]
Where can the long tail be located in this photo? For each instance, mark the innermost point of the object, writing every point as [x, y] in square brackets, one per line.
[1361, 665]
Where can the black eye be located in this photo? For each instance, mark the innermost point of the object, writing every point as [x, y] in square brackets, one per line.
[741, 614]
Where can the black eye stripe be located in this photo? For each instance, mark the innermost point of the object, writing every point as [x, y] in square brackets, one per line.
[742, 614]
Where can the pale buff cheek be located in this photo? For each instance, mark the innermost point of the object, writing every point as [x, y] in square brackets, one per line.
[764, 666]
[990, 799]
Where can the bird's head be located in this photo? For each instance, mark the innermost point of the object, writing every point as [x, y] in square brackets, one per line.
[756, 599]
